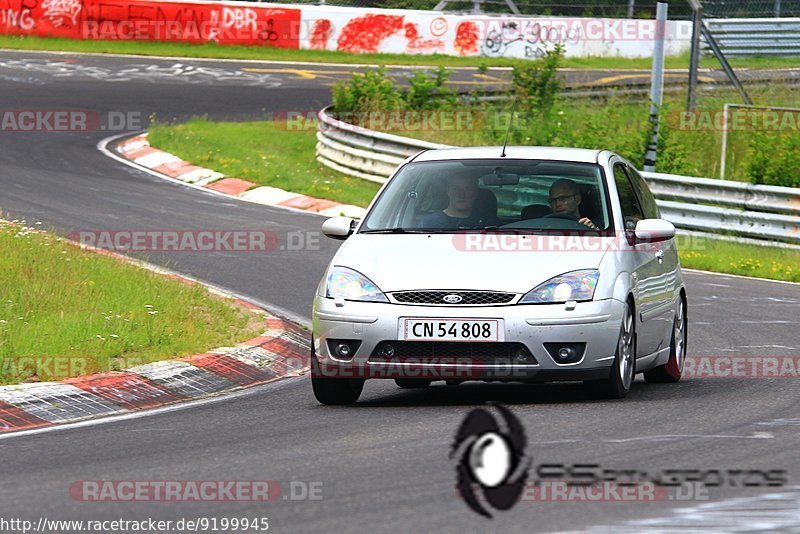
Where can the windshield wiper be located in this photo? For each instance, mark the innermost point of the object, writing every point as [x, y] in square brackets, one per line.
[501, 230]
[407, 231]
[391, 231]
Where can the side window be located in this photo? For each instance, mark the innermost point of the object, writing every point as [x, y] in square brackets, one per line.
[649, 206]
[631, 212]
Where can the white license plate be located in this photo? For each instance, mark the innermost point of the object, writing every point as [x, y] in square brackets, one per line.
[427, 329]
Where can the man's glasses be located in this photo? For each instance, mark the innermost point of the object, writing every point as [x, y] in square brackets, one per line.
[556, 200]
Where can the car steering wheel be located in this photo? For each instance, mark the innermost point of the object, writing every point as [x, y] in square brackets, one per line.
[567, 216]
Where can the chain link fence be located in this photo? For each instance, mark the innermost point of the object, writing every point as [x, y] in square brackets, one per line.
[751, 9]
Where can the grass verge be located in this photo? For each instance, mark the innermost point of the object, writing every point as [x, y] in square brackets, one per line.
[737, 258]
[67, 312]
[215, 51]
[262, 153]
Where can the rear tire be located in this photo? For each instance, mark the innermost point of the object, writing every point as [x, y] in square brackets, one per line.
[671, 371]
[619, 382]
[330, 390]
[412, 383]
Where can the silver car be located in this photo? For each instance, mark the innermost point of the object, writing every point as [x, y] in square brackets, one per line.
[520, 264]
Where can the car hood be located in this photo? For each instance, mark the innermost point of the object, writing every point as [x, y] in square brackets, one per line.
[494, 262]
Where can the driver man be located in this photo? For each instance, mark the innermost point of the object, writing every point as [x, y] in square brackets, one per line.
[565, 197]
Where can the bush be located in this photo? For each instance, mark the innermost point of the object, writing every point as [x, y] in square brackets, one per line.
[774, 159]
[428, 91]
[373, 90]
[536, 84]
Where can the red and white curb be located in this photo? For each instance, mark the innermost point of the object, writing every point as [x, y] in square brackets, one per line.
[281, 351]
[138, 150]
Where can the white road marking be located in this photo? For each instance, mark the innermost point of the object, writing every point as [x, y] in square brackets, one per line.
[776, 512]
[742, 322]
[781, 422]
[725, 275]
[668, 437]
[276, 62]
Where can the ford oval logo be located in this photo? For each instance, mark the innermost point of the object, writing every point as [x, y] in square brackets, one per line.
[452, 299]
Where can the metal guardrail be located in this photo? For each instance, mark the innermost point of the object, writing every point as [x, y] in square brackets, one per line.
[739, 195]
[364, 153]
[755, 37]
[759, 212]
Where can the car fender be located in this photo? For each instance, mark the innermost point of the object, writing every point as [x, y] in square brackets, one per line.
[623, 286]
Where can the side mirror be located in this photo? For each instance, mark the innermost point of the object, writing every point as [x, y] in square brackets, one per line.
[338, 227]
[653, 230]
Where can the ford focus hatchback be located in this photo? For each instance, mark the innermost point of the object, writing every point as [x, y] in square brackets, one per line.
[524, 264]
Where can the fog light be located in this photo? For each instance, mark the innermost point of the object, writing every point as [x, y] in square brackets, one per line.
[564, 353]
[387, 350]
[522, 355]
[344, 349]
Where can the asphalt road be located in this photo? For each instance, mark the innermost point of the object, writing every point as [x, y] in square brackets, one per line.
[383, 463]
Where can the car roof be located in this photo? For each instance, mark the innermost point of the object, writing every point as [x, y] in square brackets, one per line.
[579, 155]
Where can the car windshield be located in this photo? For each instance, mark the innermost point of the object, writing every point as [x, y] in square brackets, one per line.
[495, 195]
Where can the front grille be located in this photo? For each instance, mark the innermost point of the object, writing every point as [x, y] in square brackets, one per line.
[468, 298]
[449, 352]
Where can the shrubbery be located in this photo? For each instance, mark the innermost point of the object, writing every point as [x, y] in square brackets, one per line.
[543, 117]
[375, 90]
[774, 159]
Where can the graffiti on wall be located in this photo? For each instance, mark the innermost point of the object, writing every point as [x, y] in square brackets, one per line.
[342, 29]
[62, 12]
[146, 20]
[410, 32]
[17, 15]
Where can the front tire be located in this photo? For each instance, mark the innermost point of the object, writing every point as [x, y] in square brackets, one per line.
[672, 371]
[333, 391]
[619, 383]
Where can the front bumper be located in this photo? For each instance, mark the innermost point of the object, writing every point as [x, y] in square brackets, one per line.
[596, 323]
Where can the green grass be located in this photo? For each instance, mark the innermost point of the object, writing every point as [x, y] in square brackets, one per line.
[262, 153]
[68, 312]
[216, 51]
[737, 258]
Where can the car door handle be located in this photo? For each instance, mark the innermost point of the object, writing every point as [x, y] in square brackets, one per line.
[660, 256]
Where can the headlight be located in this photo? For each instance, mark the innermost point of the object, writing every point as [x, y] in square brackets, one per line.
[352, 285]
[577, 285]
